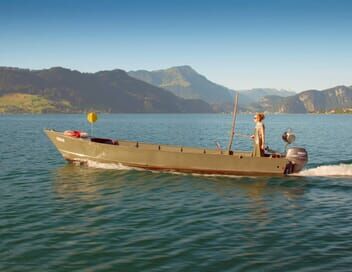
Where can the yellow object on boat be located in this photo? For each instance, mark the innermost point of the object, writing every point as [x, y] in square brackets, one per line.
[92, 117]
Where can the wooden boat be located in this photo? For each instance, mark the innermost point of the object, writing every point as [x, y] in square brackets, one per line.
[176, 158]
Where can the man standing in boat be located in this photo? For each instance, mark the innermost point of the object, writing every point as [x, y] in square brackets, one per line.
[259, 135]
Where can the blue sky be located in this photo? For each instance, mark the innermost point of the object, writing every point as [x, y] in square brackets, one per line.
[294, 45]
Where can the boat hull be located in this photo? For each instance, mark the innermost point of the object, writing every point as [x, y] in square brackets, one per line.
[168, 158]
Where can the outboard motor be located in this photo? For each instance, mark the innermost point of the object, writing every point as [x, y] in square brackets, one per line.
[298, 156]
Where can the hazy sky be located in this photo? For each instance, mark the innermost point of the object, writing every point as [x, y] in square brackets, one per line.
[295, 44]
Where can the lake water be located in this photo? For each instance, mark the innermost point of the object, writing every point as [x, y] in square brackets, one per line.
[60, 217]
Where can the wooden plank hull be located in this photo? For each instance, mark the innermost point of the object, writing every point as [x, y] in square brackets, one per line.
[168, 158]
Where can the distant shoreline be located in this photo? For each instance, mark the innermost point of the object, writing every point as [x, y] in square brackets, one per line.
[178, 113]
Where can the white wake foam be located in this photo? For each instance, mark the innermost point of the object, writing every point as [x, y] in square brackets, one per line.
[101, 165]
[328, 170]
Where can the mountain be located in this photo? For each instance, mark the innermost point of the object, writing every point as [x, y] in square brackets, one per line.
[337, 99]
[64, 90]
[185, 82]
[255, 95]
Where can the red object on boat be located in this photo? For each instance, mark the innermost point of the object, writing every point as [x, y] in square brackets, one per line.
[76, 133]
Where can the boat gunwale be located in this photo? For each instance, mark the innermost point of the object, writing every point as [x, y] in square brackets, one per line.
[160, 147]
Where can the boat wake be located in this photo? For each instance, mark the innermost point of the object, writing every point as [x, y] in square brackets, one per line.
[112, 166]
[328, 170]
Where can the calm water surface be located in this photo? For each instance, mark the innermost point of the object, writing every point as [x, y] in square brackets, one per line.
[59, 217]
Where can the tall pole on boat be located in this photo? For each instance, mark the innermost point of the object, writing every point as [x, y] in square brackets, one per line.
[234, 115]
